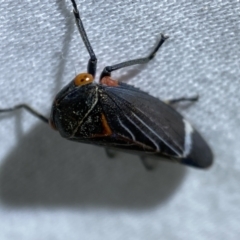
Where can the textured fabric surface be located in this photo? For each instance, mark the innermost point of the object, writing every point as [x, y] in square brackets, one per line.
[51, 188]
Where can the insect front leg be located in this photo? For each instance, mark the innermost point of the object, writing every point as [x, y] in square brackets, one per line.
[92, 63]
[107, 70]
[29, 109]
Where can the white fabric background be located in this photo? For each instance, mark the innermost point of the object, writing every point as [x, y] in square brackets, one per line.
[51, 188]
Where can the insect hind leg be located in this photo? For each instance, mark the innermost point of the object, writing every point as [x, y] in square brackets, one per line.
[27, 108]
[110, 153]
[149, 164]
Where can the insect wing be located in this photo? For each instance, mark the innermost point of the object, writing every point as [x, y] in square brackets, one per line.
[150, 125]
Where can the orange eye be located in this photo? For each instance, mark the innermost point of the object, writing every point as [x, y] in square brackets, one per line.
[82, 79]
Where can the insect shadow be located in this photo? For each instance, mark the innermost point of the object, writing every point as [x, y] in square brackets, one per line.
[46, 170]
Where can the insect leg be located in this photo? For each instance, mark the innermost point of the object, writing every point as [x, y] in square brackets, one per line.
[149, 164]
[28, 108]
[92, 63]
[110, 153]
[182, 99]
[107, 70]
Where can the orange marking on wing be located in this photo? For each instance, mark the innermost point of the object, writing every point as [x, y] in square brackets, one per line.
[106, 129]
[109, 82]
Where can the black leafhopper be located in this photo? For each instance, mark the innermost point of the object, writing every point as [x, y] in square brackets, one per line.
[119, 116]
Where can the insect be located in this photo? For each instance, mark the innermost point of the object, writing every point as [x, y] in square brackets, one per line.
[119, 116]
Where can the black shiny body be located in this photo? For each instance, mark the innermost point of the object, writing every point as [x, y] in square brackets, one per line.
[138, 122]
